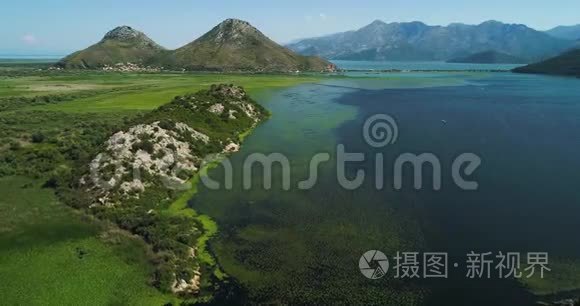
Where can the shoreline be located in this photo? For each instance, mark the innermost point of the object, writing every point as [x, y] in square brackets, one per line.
[377, 71]
[209, 226]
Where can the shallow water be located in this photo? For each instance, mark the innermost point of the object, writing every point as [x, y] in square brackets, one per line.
[303, 246]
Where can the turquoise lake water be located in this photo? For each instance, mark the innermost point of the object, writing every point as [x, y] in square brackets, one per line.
[303, 246]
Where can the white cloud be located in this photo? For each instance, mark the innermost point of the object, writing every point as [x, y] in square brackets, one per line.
[29, 39]
[316, 17]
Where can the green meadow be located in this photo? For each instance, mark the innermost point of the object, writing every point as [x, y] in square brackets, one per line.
[52, 255]
[138, 91]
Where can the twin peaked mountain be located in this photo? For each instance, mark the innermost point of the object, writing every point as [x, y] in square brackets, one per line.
[233, 45]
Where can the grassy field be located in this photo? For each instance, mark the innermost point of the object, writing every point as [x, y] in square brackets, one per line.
[49, 255]
[137, 91]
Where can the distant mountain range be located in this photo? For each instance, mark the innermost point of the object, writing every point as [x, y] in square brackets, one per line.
[418, 41]
[233, 45]
[488, 57]
[566, 32]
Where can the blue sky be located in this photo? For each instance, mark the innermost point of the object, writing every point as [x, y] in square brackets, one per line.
[61, 26]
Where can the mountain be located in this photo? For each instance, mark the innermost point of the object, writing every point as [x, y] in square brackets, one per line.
[418, 41]
[236, 45]
[121, 45]
[377, 40]
[565, 64]
[488, 57]
[233, 45]
[566, 32]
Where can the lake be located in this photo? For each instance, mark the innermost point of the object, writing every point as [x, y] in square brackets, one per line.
[303, 246]
[428, 65]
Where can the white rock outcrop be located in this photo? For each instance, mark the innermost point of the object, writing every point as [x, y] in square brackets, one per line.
[143, 149]
[217, 108]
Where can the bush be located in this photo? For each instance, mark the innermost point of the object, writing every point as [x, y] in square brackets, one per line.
[167, 124]
[38, 137]
[144, 145]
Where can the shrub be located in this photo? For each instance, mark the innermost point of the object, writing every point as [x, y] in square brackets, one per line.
[166, 124]
[144, 145]
[38, 137]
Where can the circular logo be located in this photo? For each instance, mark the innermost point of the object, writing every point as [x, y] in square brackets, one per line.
[373, 264]
[380, 130]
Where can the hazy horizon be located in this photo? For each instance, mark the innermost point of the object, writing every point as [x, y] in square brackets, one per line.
[64, 26]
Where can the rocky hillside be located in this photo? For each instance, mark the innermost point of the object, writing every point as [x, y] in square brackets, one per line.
[418, 41]
[168, 145]
[488, 57]
[565, 64]
[122, 45]
[237, 45]
[141, 170]
[159, 149]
